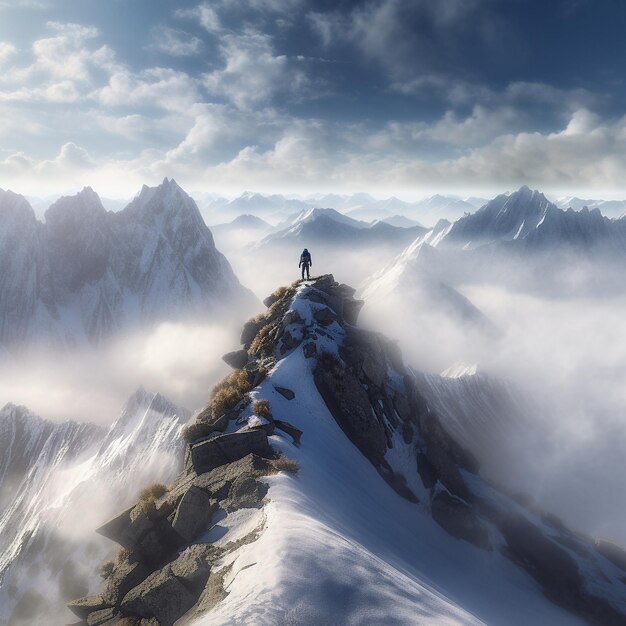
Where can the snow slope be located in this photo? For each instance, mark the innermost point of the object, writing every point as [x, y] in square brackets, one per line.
[339, 546]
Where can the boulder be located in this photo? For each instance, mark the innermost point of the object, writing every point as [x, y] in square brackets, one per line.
[97, 618]
[84, 606]
[124, 577]
[236, 359]
[217, 483]
[310, 349]
[172, 590]
[209, 454]
[127, 527]
[194, 512]
[249, 332]
[246, 493]
[290, 429]
[270, 300]
[458, 519]
[286, 393]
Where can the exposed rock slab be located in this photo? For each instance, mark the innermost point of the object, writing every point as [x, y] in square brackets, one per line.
[207, 455]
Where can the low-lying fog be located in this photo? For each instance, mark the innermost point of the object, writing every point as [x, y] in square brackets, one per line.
[179, 360]
[567, 353]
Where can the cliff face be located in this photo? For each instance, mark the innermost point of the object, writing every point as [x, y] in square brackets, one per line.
[377, 505]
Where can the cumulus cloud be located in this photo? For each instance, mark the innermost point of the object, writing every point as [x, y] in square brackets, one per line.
[6, 51]
[161, 87]
[253, 73]
[175, 42]
[206, 15]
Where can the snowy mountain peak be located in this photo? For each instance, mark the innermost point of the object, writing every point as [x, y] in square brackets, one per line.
[85, 206]
[15, 208]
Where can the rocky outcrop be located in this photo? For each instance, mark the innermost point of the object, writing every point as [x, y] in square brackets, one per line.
[170, 566]
[172, 590]
[209, 454]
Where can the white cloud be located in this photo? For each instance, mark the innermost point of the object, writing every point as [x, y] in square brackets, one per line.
[205, 14]
[175, 42]
[253, 73]
[7, 50]
[156, 87]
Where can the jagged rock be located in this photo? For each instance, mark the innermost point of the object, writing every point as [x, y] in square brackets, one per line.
[84, 606]
[351, 310]
[292, 317]
[289, 342]
[123, 529]
[290, 429]
[402, 407]
[249, 332]
[236, 359]
[398, 483]
[427, 472]
[124, 577]
[270, 300]
[97, 618]
[612, 552]
[245, 493]
[374, 368]
[458, 519]
[194, 512]
[447, 471]
[207, 455]
[310, 349]
[349, 404]
[286, 393]
[172, 590]
[217, 482]
[325, 316]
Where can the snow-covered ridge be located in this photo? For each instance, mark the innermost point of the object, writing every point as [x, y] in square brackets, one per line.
[387, 519]
[85, 273]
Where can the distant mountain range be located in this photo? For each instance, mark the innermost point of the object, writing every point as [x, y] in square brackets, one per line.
[327, 227]
[276, 208]
[59, 481]
[86, 273]
[527, 219]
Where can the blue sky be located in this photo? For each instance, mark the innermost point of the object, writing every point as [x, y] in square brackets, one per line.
[402, 97]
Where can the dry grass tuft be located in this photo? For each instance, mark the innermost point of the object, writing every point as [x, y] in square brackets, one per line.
[262, 408]
[280, 292]
[106, 569]
[123, 554]
[153, 491]
[148, 497]
[285, 464]
[228, 392]
[129, 620]
[260, 336]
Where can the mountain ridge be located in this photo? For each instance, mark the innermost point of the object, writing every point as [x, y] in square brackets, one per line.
[384, 504]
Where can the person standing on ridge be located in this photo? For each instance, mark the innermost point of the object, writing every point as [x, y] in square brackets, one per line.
[305, 263]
